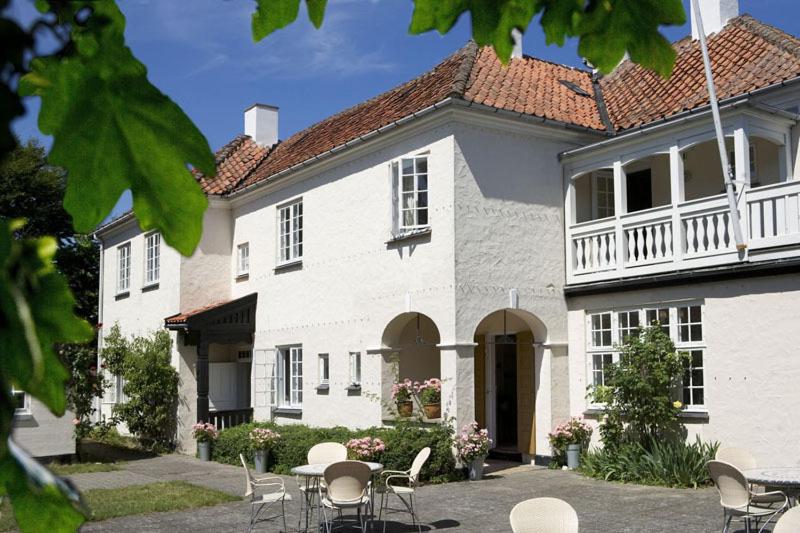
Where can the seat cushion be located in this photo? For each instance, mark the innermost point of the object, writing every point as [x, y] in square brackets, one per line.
[328, 503]
[272, 497]
[400, 490]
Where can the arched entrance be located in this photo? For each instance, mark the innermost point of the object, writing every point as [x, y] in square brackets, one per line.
[505, 380]
[411, 344]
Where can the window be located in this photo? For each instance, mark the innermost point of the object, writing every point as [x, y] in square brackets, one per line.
[290, 376]
[413, 188]
[599, 363]
[355, 368]
[690, 324]
[290, 233]
[152, 266]
[22, 402]
[628, 324]
[601, 329]
[124, 268]
[603, 197]
[693, 390]
[600, 342]
[660, 315]
[243, 259]
[324, 369]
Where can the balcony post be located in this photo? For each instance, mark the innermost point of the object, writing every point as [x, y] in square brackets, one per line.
[620, 203]
[741, 151]
[569, 220]
[677, 196]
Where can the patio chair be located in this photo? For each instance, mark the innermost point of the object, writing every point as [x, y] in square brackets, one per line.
[322, 453]
[543, 515]
[346, 483]
[742, 459]
[266, 500]
[739, 501]
[789, 522]
[405, 491]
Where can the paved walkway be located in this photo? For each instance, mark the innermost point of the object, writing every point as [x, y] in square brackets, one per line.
[479, 507]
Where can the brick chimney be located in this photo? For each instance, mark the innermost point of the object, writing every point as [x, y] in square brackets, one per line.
[715, 14]
[261, 124]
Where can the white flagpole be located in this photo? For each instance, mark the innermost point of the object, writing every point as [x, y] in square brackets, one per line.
[727, 172]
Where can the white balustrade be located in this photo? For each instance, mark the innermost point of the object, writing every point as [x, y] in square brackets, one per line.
[648, 242]
[594, 250]
[707, 232]
[774, 214]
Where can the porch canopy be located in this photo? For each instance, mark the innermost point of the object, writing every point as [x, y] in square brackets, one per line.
[226, 322]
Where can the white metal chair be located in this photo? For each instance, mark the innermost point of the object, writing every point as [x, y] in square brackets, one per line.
[543, 515]
[742, 459]
[266, 500]
[322, 453]
[404, 492]
[347, 483]
[738, 501]
[789, 522]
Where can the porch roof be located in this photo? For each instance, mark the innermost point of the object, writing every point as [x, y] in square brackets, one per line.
[224, 312]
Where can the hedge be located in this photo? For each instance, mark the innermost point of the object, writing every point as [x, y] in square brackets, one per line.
[403, 442]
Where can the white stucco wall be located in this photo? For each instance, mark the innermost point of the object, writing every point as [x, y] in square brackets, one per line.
[751, 364]
[205, 276]
[42, 434]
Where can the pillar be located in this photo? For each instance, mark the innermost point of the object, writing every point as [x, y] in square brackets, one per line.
[202, 380]
[458, 382]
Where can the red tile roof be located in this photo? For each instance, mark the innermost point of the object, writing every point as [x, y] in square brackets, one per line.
[745, 55]
[235, 161]
[181, 318]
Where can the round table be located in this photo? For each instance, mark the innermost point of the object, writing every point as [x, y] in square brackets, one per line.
[313, 472]
[785, 478]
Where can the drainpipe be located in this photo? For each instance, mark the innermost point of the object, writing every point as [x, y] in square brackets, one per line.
[98, 401]
[727, 171]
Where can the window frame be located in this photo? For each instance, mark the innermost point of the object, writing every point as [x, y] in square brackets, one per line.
[324, 368]
[355, 369]
[293, 244]
[415, 191]
[610, 210]
[289, 388]
[127, 268]
[152, 264]
[25, 410]
[243, 259]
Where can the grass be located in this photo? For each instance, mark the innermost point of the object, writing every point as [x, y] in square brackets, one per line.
[82, 468]
[138, 499]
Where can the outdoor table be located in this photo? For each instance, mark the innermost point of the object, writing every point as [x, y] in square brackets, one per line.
[785, 478]
[312, 473]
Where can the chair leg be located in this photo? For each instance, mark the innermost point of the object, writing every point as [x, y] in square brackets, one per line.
[414, 517]
[283, 514]
[386, 494]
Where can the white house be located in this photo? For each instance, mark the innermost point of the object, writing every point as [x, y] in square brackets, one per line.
[500, 228]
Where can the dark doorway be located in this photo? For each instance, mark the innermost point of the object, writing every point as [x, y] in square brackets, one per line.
[640, 190]
[505, 352]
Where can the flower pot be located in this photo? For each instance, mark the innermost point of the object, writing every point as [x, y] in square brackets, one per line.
[476, 469]
[573, 456]
[204, 450]
[405, 409]
[260, 459]
[433, 410]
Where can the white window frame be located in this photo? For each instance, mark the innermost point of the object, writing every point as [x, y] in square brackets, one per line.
[152, 259]
[355, 369]
[25, 410]
[243, 259]
[324, 368]
[124, 268]
[601, 350]
[691, 346]
[607, 208]
[290, 386]
[415, 193]
[290, 232]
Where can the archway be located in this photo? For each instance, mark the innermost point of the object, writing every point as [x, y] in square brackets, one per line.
[505, 380]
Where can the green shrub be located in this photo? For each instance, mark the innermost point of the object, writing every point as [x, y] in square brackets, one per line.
[403, 442]
[668, 463]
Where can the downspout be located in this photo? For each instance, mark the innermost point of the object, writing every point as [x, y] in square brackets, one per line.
[99, 326]
[727, 171]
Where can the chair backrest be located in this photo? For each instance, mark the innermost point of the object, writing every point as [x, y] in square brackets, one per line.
[734, 491]
[789, 522]
[248, 478]
[327, 453]
[544, 515]
[347, 481]
[738, 457]
[419, 462]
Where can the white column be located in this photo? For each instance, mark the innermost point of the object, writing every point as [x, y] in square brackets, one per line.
[677, 196]
[620, 206]
[458, 382]
[569, 220]
[741, 149]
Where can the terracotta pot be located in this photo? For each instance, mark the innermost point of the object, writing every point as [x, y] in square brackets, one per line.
[405, 409]
[433, 410]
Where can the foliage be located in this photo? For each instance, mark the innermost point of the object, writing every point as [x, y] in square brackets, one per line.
[204, 432]
[365, 448]
[263, 438]
[638, 390]
[669, 463]
[401, 444]
[151, 386]
[430, 391]
[573, 431]
[472, 443]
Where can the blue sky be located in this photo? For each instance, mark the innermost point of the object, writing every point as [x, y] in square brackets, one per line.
[201, 54]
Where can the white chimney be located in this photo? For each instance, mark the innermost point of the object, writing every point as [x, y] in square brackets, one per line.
[261, 124]
[715, 14]
[516, 52]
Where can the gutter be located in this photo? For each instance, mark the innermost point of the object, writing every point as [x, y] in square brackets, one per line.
[683, 116]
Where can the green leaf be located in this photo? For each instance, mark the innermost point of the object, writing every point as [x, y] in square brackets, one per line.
[271, 15]
[113, 130]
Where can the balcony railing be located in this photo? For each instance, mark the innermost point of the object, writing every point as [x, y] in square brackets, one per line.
[693, 234]
[230, 418]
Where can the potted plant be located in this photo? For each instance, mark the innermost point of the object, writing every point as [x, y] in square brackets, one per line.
[204, 433]
[402, 393]
[472, 447]
[430, 396]
[262, 440]
[365, 448]
[571, 438]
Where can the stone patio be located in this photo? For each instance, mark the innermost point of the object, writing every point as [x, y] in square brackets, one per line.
[466, 506]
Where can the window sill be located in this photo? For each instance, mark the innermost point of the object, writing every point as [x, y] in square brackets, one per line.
[288, 411]
[291, 265]
[244, 276]
[122, 295]
[353, 390]
[693, 414]
[150, 287]
[23, 415]
[410, 234]
[323, 387]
